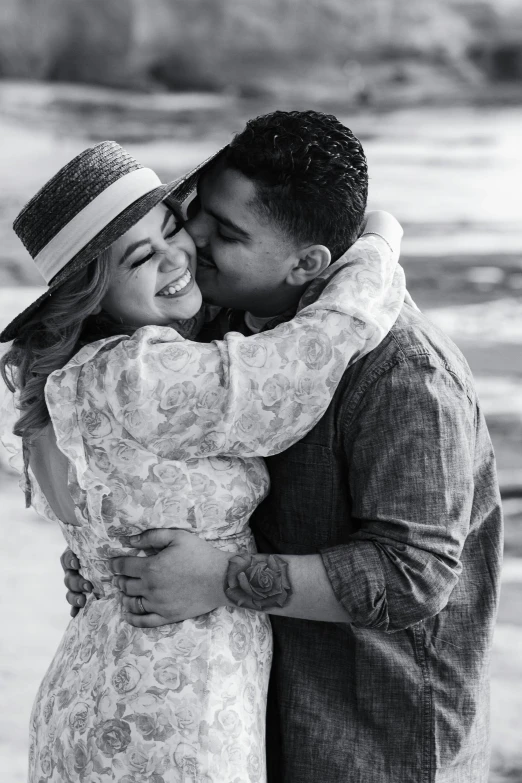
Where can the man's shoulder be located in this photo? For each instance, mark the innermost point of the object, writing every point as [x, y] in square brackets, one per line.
[414, 347]
[413, 334]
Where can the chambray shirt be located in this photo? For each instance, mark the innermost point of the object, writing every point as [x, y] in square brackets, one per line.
[396, 488]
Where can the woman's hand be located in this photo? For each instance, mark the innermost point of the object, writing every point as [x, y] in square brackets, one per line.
[77, 586]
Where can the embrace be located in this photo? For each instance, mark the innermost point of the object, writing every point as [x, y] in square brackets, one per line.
[272, 472]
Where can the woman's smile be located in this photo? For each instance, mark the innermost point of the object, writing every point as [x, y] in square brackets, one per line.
[178, 287]
[154, 273]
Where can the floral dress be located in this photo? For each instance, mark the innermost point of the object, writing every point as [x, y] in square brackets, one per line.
[160, 431]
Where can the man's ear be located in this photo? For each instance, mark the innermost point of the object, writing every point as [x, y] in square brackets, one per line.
[310, 262]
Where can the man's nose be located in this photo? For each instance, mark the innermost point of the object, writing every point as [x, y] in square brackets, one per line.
[198, 228]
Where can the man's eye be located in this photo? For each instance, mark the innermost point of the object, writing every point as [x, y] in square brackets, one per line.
[225, 238]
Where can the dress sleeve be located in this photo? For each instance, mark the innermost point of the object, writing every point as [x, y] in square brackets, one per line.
[256, 396]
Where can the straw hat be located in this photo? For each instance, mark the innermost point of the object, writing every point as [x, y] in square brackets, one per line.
[83, 209]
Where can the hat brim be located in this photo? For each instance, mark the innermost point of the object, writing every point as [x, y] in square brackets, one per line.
[177, 190]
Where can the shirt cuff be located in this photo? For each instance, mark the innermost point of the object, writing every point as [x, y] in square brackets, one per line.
[357, 578]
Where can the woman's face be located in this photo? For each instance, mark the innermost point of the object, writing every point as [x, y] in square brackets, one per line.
[152, 273]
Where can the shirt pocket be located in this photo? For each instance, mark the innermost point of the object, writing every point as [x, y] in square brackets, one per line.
[303, 496]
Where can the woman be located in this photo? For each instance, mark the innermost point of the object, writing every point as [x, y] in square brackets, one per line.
[128, 425]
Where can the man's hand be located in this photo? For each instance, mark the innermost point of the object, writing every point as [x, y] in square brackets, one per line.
[184, 579]
[77, 587]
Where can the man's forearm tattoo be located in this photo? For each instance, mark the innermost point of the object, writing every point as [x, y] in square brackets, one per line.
[258, 581]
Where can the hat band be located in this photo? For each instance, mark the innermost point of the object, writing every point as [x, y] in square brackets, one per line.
[93, 218]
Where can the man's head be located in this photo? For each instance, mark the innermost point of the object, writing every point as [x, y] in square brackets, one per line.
[284, 199]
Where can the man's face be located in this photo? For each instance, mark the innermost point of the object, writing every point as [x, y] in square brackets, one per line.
[243, 259]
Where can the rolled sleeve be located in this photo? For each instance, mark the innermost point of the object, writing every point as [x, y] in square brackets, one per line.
[409, 447]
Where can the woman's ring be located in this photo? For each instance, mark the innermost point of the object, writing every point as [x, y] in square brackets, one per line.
[141, 608]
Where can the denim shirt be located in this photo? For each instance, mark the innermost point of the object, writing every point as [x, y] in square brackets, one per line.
[396, 487]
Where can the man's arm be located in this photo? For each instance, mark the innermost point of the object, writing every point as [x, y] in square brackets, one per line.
[190, 577]
[410, 454]
[411, 481]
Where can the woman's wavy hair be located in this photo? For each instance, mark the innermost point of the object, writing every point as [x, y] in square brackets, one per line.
[48, 340]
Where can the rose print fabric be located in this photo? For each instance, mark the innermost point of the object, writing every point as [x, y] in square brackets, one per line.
[163, 432]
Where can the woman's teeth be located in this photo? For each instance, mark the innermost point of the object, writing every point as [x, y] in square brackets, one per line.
[175, 288]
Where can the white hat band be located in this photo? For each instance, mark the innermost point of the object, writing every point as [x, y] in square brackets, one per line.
[93, 218]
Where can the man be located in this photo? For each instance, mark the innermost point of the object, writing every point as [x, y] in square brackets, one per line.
[386, 518]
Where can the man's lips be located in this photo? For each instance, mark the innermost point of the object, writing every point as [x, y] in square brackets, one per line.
[206, 263]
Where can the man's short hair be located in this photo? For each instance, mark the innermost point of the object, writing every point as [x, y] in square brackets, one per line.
[310, 173]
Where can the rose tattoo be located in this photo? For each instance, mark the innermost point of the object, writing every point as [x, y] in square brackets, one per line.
[258, 581]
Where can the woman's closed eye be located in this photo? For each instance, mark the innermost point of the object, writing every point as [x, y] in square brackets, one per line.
[172, 233]
[136, 264]
[174, 230]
